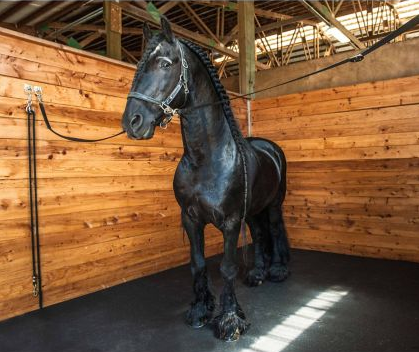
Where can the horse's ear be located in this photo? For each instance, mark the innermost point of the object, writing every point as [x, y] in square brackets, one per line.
[147, 31]
[167, 30]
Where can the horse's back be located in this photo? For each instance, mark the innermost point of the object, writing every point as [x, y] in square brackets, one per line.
[264, 149]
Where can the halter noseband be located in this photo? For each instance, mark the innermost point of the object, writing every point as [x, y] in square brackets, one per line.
[168, 111]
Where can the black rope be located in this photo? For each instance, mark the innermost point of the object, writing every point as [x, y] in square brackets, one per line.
[69, 138]
[33, 199]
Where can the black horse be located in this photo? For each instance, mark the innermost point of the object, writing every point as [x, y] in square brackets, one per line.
[222, 178]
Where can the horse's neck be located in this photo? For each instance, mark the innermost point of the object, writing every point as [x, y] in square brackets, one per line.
[205, 132]
[206, 135]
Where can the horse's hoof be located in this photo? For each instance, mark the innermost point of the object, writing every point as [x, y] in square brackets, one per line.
[199, 314]
[255, 277]
[229, 326]
[278, 273]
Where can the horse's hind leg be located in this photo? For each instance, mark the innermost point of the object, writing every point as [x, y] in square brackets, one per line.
[203, 306]
[278, 270]
[259, 230]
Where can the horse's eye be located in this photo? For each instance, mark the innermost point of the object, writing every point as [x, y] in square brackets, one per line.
[164, 64]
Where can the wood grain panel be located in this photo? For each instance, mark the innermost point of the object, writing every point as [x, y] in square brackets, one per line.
[353, 166]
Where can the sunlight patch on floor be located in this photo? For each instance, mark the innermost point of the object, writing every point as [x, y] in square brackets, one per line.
[293, 326]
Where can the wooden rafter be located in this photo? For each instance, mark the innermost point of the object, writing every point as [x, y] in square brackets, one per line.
[234, 7]
[17, 6]
[265, 43]
[167, 7]
[192, 18]
[90, 38]
[23, 29]
[47, 7]
[197, 38]
[129, 55]
[68, 8]
[63, 39]
[231, 34]
[337, 8]
[200, 22]
[323, 13]
[94, 28]
[302, 19]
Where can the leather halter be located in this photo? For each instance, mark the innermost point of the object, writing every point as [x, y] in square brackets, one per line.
[168, 111]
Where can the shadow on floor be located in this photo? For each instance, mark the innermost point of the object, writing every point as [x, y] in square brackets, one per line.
[330, 303]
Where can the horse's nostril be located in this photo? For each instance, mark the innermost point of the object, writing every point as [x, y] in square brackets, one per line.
[136, 121]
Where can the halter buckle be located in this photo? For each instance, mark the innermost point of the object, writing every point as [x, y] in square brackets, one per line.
[166, 121]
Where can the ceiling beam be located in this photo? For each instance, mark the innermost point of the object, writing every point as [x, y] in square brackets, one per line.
[63, 39]
[130, 56]
[230, 35]
[192, 18]
[23, 29]
[93, 28]
[167, 6]
[195, 37]
[140, 3]
[17, 6]
[325, 15]
[90, 38]
[68, 8]
[232, 6]
[199, 20]
[47, 7]
[275, 25]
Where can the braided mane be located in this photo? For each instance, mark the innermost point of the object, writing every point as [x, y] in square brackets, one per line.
[220, 90]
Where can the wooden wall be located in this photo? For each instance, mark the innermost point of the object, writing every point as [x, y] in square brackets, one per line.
[353, 166]
[107, 213]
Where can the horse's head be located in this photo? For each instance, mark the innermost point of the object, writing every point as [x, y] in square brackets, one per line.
[159, 85]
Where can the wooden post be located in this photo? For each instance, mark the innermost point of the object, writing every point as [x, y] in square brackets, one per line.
[113, 22]
[246, 15]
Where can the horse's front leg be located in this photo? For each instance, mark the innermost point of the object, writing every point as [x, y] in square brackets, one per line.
[231, 322]
[202, 307]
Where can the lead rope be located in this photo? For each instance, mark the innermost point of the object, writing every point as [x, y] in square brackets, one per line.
[33, 198]
[38, 94]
